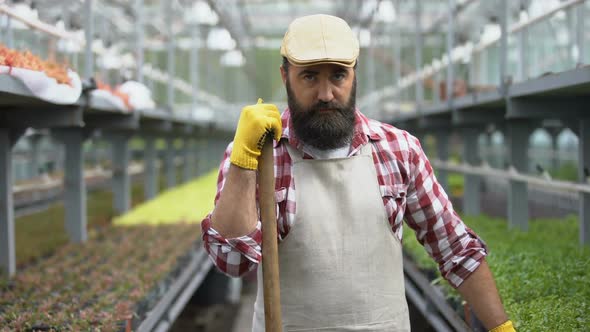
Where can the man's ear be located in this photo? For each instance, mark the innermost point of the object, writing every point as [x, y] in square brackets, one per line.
[283, 74]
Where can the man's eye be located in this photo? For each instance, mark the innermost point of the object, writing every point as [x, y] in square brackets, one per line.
[339, 76]
[308, 77]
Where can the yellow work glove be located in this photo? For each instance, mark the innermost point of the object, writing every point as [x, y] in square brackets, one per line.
[506, 327]
[255, 124]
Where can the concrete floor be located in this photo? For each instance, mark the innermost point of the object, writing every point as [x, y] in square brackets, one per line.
[243, 322]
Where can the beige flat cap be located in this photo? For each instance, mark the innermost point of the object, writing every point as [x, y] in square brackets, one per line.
[319, 39]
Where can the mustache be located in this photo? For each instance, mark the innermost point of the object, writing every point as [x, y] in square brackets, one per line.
[322, 105]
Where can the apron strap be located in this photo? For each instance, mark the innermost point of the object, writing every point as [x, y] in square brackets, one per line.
[295, 154]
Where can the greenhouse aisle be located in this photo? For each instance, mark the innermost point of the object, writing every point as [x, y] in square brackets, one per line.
[243, 321]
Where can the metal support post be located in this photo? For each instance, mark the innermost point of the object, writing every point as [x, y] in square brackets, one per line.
[471, 74]
[397, 48]
[218, 153]
[471, 196]
[422, 138]
[584, 175]
[61, 157]
[370, 87]
[170, 165]
[139, 30]
[74, 183]
[501, 151]
[572, 44]
[194, 64]
[503, 44]
[188, 165]
[484, 77]
[204, 153]
[581, 29]
[170, 56]
[198, 156]
[104, 35]
[436, 87]
[518, 133]
[450, 45]
[442, 153]
[554, 133]
[9, 29]
[150, 81]
[121, 179]
[35, 155]
[7, 242]
[151, 173]
[523, 45]
[210, 153]
[489, 148]
[95, 153]
[207, 58]
[419, 44]
[89, 33]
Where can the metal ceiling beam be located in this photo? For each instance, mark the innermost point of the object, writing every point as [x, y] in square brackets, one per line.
[237, 29]
[444, 18]
[233, 23]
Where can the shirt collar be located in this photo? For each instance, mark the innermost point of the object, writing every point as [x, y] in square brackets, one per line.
[363, 131]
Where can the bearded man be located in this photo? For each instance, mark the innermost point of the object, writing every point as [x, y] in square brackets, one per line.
[344, 185]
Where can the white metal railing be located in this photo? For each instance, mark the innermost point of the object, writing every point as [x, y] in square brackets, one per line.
[458, 52]
[157, 75]
[464, 51]
[511, 174]
[561, 6]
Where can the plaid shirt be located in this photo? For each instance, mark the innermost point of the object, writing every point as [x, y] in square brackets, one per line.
[409, 191]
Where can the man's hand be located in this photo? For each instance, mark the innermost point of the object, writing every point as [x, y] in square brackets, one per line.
[235, 214]
[506, 327]
[255, 124]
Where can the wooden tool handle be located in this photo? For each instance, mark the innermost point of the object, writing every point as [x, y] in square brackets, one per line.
[270, 254]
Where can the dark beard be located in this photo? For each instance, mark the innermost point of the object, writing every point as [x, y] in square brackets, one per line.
[323, 130]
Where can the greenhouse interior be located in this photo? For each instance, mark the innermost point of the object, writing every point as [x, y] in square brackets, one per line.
[124, 122]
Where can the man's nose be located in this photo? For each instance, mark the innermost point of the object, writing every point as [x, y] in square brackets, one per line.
[325, 92]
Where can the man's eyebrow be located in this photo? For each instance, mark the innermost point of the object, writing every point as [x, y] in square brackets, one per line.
[308, 72]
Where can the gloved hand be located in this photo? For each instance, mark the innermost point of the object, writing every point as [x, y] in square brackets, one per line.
[506, 327]
[255, 124]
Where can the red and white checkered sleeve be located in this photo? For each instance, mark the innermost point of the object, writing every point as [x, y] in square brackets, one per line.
[429, 212]
[232, 256]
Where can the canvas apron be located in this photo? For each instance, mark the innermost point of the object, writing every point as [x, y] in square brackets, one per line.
[341, 265]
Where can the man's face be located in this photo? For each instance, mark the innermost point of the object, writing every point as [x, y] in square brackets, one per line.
[322, 102]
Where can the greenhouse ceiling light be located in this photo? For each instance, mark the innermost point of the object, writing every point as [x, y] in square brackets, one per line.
[364, 37]
[220, 39]
[201, 13]
[116, 17]
[233, 58]
[386, 12]
[68, 46]
[368, 8]
[491, 32]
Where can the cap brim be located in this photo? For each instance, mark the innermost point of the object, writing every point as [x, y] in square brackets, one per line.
[321, 62]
